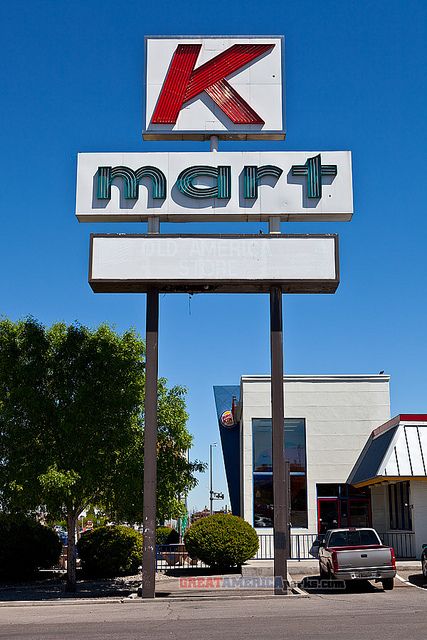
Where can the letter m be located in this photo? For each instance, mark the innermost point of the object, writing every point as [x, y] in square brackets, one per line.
[183, 82]
[131, 180]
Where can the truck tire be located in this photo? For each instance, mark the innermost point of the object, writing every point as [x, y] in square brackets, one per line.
[388, 584]
[424, 565]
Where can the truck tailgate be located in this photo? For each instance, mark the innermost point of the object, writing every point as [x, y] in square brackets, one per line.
[361, 558]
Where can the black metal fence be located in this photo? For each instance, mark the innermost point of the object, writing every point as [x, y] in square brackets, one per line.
[175, 556]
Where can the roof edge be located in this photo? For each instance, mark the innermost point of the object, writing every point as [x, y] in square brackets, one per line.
[400, 418]
[393, 422]
[339, 377]
[388, 480]
[413, 417]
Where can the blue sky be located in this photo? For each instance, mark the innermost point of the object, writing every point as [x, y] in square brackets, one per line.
[71, 77]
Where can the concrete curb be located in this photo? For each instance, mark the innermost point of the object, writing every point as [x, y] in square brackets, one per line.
[66, 601]
[158, 599]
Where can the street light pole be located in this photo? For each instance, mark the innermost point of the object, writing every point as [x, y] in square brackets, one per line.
[211, 497]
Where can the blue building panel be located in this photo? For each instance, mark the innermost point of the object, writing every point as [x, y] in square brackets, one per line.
[230, 441]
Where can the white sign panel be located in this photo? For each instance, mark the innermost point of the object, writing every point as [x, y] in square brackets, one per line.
[244, 186]
[231, 87]
[247, 264]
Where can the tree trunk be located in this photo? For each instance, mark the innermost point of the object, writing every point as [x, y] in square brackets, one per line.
[71, 552]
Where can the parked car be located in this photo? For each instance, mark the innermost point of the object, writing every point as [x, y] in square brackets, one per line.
[357, 554]
[424, 560]
[263, 521]
[62, 533]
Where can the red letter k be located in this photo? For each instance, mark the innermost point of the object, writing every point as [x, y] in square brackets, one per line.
[183, 82]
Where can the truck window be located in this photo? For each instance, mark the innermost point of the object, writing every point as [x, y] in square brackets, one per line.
[364, 537]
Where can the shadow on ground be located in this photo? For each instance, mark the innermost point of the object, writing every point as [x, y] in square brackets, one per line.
[315, 584]
[418, 580]
[53, 588]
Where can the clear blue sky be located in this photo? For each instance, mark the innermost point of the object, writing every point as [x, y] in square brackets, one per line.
[72, 80]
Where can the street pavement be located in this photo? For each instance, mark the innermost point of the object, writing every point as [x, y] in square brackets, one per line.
[365, 612]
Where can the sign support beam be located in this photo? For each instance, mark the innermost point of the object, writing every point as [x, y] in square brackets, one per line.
[150, 438]
[280, 479]
[214, 143]
[150, 446]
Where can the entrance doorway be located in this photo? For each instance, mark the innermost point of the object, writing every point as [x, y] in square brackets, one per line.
[342, 506]
[328, 514]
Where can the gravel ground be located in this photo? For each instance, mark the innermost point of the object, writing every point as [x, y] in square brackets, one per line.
[53, 588]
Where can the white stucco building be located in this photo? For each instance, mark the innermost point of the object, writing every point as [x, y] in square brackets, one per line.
[350, 464]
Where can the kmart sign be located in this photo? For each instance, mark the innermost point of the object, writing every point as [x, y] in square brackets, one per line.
[231, 87]
[300, 186]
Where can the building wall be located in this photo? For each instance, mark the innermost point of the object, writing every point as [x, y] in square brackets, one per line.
[419, 513]
[381, 517]
[340, 411]
[379, 506]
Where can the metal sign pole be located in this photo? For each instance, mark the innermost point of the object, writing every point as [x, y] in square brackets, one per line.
[280, 483]
[288, 507]
[210, 481]
[150, 438]
[150, 446]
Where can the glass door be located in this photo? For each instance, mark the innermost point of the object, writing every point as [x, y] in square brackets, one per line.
[328, 514]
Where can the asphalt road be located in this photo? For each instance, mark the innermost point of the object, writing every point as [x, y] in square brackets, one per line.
[399, 614]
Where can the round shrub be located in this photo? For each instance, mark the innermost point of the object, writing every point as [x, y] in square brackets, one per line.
[25, 547]
[166, 535]
[107, 552]
[221, 541]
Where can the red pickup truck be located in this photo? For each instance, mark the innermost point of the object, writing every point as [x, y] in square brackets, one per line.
[357, 554]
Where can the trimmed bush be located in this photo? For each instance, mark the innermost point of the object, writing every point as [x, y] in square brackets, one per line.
[166, 535]
[25, 547]
[221, 541]
[107, 552]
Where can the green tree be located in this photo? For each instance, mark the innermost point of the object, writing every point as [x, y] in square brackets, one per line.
[71, 423]
[175, 473]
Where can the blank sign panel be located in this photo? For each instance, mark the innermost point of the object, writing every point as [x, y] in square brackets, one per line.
[206, 264]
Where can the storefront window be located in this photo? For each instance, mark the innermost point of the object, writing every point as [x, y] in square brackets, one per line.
[399, 506]
[328, 490]
[263, 477]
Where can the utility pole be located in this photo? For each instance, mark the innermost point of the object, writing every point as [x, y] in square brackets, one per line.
[211, 492]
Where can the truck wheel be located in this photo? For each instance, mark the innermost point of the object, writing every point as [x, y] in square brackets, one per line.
[323, 574]
[388, 584]
[424, 566]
